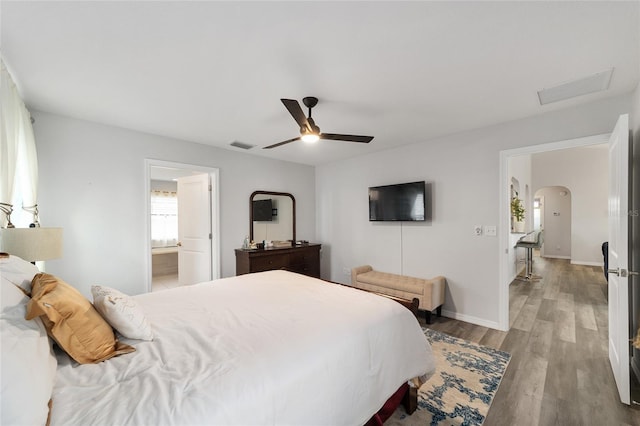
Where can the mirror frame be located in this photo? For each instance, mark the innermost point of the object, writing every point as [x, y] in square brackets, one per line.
[284, 194]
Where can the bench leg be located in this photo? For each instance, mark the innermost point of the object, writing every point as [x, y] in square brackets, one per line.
[427, 314]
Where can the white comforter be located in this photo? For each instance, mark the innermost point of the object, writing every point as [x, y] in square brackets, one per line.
[267, 348]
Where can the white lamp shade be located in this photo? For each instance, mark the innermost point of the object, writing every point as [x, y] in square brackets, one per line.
[32, 244]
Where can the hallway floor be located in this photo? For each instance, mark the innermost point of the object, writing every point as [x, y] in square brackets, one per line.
[559, 372]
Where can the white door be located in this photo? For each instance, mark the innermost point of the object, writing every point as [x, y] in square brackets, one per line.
[618, 256]
[194, 229]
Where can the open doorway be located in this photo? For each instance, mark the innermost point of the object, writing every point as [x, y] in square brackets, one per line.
[592, 224]
[554, 214]
[182, 224]
[506, 236]
[164, 228]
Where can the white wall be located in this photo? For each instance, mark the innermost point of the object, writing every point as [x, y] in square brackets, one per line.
[464, 170]
[584, 171]
[519, 167]
[92, 183]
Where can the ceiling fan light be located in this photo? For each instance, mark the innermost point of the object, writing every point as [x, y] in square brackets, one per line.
[310, 138]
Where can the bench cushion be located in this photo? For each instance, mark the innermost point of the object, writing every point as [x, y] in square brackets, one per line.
[393, 281]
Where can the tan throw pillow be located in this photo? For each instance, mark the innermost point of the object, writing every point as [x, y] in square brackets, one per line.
[72, 321]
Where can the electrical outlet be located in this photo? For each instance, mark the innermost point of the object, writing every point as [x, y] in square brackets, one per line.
[490, 231]
[477, 230]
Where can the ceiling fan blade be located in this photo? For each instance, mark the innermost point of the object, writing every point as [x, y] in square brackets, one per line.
[296, 112]
[282, 143]
[347, 138]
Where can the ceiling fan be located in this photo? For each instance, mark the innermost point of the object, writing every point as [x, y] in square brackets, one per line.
[309, 131]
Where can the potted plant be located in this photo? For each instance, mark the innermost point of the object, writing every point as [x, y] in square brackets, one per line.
[517, 213]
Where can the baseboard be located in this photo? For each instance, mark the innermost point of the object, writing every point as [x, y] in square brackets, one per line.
[579, 262]
[557, 257]
[471, 319]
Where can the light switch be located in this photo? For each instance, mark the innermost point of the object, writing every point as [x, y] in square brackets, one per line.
[490, 230]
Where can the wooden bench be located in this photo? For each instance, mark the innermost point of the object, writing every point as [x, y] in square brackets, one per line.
[429, 292]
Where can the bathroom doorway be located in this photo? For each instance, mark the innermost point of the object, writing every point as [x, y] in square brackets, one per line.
[182, 224]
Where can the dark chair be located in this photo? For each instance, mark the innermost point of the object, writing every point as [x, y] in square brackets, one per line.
[605, 254]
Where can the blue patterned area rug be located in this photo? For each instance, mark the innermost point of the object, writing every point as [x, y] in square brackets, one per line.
[461, 390]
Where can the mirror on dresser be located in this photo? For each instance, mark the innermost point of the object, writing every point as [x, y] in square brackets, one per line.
[272, 216]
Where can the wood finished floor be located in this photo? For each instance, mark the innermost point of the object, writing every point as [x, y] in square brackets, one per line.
[559, 373]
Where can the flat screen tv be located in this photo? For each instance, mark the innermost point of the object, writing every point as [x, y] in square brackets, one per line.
[262, 210]
[401, 202]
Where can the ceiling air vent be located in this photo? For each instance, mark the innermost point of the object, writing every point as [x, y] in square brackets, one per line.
[241, 145]
[571, 89]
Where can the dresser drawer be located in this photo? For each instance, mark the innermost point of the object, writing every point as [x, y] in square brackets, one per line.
[267, 263]
[302, 257]
[311, 269]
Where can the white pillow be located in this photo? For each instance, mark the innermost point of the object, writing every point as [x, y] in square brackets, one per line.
[18, 271]
[28, 362]
[10, 295]
[121, 312]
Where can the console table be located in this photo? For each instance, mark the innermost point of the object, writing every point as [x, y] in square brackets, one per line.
[303, 259]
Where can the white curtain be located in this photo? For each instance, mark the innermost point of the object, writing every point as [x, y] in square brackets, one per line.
[18, 158]
[164, 219]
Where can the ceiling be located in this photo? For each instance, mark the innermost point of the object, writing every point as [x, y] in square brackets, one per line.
[404, 72]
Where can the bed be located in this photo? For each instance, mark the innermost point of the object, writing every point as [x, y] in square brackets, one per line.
[266, 348]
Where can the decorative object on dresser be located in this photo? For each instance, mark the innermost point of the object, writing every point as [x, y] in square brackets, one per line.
[303, 259]
[429, 292]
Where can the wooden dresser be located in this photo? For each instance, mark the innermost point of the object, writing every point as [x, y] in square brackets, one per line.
[304, 259]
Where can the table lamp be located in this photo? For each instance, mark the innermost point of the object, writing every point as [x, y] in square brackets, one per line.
[7, 209]
[32, 244]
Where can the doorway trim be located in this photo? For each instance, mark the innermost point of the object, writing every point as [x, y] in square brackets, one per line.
[214, 174]
[505, 219]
